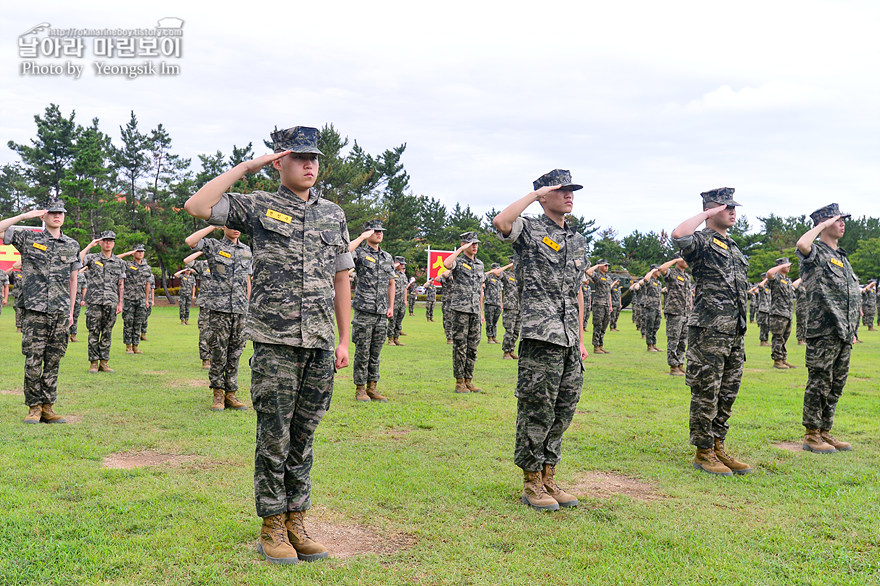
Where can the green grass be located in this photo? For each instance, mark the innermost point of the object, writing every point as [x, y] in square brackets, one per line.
[434, 470]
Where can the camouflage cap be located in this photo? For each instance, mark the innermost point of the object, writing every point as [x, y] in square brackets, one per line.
[782, 260]
[601, 261]
[107, 235]
[299, 139]
[655, 266]
[400, 260]
[55, 205]
[828, 211]
[469, 237]
[495, 265]
[556, 177]
[139, 248]
[374, 225]
[722, 195]
[763, 275]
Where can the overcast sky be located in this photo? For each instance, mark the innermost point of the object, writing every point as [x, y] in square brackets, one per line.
[647, 103]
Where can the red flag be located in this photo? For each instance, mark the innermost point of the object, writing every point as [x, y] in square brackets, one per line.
[435, 263]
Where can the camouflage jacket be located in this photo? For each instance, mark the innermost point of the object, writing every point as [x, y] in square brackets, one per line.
[651, 295]
[430, 292]
[187, 282]
[869, 301]
[800, 295]
[764, 299]
[832, 290]
[469, 276]
[46, 264]
[720, 272]
[400, 288]
[638, 297]
[16, 280]
[781, 295]
[104, 277]
[601, 288]
[678, 292]
[588, 295]
[231, 266]
[549, 272]
[615, 296]
[298, 248]
[137, 276]
[446, 285]
[510, 290]
[374, 269]
[492, 289]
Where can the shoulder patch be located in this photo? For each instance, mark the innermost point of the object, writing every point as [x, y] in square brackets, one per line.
[278, 216]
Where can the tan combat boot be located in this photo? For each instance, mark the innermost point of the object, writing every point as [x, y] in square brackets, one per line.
[514, 355]
[764, 343]
[93, 367]
[135, 349]
[507, 356]
[460, 387]
[840, 446]
[274, 544]
[206, 364]
[560, 496]
[535, 495]
[360, 393]
[34, 414]
[50, 416]
[802, 342]
[468, 382]
[813, 442]
[397, 341]
[144, 337]
[183, 322]
[307, 549]
[372, 394]
[73, 338]
[230, 401]
[735, 465]
[788, 364]
[128, 349]
[103, 366]
[219, 400]
[674, 371]
[603, 350]
[780, 364]
[707, 461]
[449, 340]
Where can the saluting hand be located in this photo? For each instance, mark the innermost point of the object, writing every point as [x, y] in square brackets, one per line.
[255, 165]
[715, 211]
[33, 214]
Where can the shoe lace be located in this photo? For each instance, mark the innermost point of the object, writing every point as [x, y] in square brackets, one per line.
[300, 526]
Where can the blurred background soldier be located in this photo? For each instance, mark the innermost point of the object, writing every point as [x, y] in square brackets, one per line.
[203, 272]
[781, 309]
[395, 322]
[411, 295]
[430, 299]
[135, 299]
[77, 305]
[616, 306]
[186, 293]
[651, 307]
[588, 300]
[869, 305]
[15, 282]
[601, 284]
[492, 287]
[800, 311]
[465, 306]
[447, 283]
[677, 309]
[103, 298]
[511, 318]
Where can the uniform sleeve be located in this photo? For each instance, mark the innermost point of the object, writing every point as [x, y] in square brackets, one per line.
[344, 262]
[233, 211]
[18, 238]
[515, 231]
[809, 259]
[690, 246]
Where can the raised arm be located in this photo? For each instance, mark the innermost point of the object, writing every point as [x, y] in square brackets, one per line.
[357, 241]
[690, 225]
[193, 239]
[449, 261]
[84, 251]
[192, 257]
[8, 222]
[125, 254]
[503, 222]
[664, 268]
[805, 242]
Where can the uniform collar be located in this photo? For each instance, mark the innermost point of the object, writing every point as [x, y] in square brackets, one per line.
[551, 224]
[288, 194]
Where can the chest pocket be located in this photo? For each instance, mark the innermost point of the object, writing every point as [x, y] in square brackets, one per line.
[276, 227]
[550, 250]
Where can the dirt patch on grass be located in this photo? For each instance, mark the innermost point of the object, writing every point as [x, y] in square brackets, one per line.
[789, 446]
[194, 383]
[16, 392]
[605, 485]
[155, 372]
[754, 370]
[131, 460]
[349, 540]
[396, 433]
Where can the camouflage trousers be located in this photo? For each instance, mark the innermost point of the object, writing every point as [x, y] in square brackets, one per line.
[147, 319]
[714, 372]
[753, 309]
[801, 328]
[183, 305]
[615, 314]
[548, 388]
[586, 317]
[764, 326]
[429, 310]
[827, 361]
[77, 309]
[652, 325]
[291, 389]
[368, 334]
[780, 327]
[395, 322]
[204, 333]
[134, 314]
[227, 344]
[447, 321]
[868, 319]
[511, 319]
[411, 303]
[676, 339]
[44, 338]
[601, 318]
[100, 320]
[18, 315]
[466, 329]
[492, 313]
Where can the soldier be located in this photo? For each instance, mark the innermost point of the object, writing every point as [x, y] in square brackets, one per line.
[650, 284]
[465, 308]
[616, 306]
[151, 301]
[231, 264]
[781, 308]
[16, 280]
[869, 305]
[201, 269]
[103, 296]
[511, 319]
[716, 328]
[411, 295]
[373, 305]
[800, 311]
[136, 298]
[832, 290]
[4, 289]
[186, 293]
[763, 318]
[395, 322]
[492, 302]
[753, 305]
[856, 339]
[430, 299]
[49, 265]
[601, 284]
[78, 303]
[301, 280]
[677, 309]
[587, 292]
[551, 258]
[446, 283]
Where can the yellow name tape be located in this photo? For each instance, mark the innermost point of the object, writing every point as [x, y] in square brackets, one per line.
[99, 263]
[833, 261]
[278, 216]
[719, 243]
[550, 243]
[680, 278]
[224, 253]
[370, 258]
[39, 246]
[132, 267]
[467, 266]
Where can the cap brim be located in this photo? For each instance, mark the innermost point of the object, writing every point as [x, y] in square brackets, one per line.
[571, 187]
[297, 149]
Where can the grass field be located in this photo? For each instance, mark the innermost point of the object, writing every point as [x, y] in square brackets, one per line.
[422, 490]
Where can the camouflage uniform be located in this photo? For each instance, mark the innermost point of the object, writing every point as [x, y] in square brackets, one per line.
[781, 308]
[299, 246]
[17, 282]
[395, 322]
[411, 296]
[800, 312]
[588, 303]
[549, 273]
[375, 268]
[753, 306]
[677, 310]
[102, 299]
[869, 307]
[833, 295]
[184, 296]
[150, 304]
[764, 313]
[430, 299]
[203, 271]
[492, 303]
[134, 304]
[615, 307]
[46, 265]
[231, 265]
[651, 309]
[464, 314]
[4, 281]
[77, 304]
[716, 329]
[601, 283]
[446, 293]
[511, 319]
